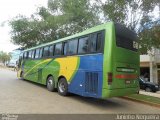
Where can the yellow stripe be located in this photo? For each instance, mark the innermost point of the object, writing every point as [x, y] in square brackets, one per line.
[68, 66]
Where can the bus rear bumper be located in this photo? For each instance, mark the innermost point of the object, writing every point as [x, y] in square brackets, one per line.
[108, 93]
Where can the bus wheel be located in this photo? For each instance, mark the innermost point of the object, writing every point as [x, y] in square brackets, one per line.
[62, 87]
[50, 84]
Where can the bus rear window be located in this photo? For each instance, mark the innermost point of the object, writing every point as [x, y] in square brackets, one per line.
[126, 38]
[126, 43]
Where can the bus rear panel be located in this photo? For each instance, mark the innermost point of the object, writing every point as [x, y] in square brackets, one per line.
[121, 76]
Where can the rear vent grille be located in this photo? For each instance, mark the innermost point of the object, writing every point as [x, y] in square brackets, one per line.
[91, 82]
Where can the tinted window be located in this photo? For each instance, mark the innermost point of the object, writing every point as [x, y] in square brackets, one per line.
[46, 52]
[93, 43]
[72, 47]
[30, 55]
[25, 55]
[126, 38]
[37, 53]
[65, 48]
[127, 43]
[33, 52]
[58, 49]
[40, 52]
[83, 45]
[51, 50]
[99, 41]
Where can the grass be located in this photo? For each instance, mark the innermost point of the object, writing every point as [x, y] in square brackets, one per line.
[145, 98]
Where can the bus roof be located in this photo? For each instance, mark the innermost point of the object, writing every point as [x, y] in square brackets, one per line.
[90, 30]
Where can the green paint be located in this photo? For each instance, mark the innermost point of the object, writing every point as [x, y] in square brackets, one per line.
[113, 57]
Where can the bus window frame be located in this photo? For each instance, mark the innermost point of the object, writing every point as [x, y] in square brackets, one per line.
[61, 49]
[50, 56]
[101, 50]
[40, 57]
[43, 51]
[35, 53]
[67, 41]
[28, 54]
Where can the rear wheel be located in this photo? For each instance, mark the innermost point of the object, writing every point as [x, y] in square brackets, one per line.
[63, 87]
[51, 84]
[148, 89]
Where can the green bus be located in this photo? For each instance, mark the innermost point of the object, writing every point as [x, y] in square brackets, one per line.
[100, 62]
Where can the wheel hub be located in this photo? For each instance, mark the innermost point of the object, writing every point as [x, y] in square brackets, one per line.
[62, 87]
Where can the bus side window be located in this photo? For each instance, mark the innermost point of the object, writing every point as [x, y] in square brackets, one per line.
[93, 42]
[51, 50]
[46, 51]
[96, 42]
[99, 41]
[72, 47]
[30, 55]
[25, 55]
[83, 45]
[58, 49]
[37, 54]
[33, 54]
[41, 53]
[65, 48]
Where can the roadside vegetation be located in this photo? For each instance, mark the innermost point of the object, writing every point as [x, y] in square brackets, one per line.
[145, 98]
[62, 18]
[4, 57]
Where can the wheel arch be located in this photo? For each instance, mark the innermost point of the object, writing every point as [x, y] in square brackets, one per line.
[61, 76]
[49, 75]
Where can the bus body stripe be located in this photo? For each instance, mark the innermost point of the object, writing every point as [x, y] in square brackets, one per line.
[121, 76]
[47, 60]
[68, 66]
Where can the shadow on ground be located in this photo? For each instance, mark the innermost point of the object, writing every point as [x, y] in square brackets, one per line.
[101, 103]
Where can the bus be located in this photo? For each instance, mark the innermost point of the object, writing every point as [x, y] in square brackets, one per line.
[100, 62]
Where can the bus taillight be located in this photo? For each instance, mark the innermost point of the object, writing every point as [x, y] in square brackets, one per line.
[110, 77]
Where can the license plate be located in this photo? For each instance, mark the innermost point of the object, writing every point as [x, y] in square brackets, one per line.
[127, 81]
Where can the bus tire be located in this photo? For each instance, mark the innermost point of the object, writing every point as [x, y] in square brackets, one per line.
[63, 87]
[50, 84]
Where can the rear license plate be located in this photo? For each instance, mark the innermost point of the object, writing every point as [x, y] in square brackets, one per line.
[127, 81]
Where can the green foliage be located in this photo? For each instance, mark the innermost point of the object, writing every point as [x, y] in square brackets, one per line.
[149, 38]
[115, 10]
[4, 57]
[134, 13]
[60, 19]
[66, 17]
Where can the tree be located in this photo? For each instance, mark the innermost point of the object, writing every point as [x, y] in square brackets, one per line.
[60, 19]
[150, 37]
[66, 17]
[4, 57]
[134, 14]
[129, 12]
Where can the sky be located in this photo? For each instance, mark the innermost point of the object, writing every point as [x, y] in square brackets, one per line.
[10, 9]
